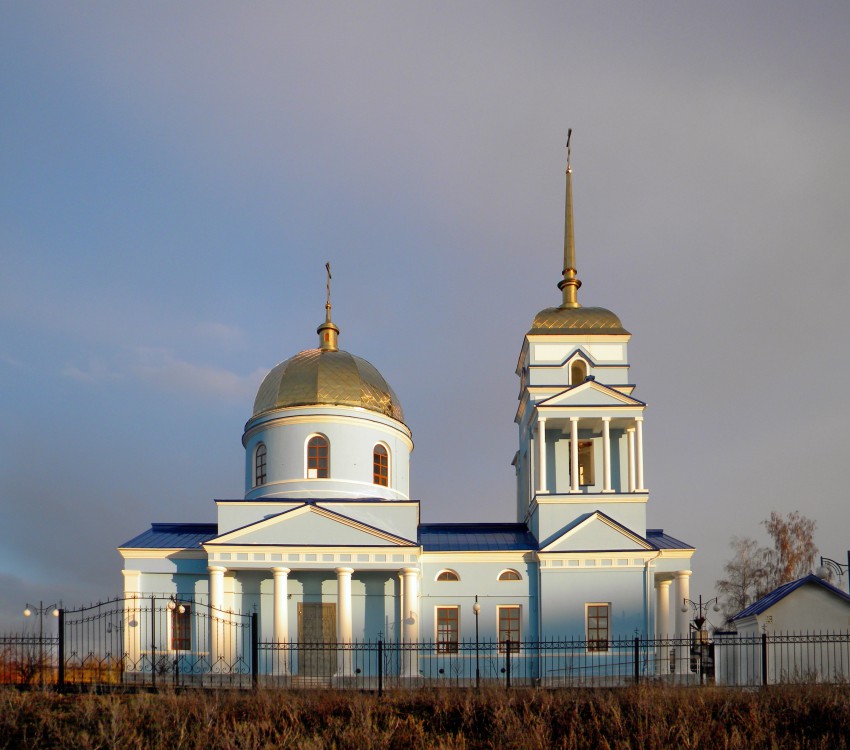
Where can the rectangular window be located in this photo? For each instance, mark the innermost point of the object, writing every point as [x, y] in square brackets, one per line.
[508, 627]
[181, 628]
[585, 463]
[448, 629]
[598, 626]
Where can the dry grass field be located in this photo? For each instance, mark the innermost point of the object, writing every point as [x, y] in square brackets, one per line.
[647, 717]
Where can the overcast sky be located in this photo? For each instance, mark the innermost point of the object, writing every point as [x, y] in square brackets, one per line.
[175, 175]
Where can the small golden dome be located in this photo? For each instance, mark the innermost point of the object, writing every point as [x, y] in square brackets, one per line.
[318, 377]
[573, 320]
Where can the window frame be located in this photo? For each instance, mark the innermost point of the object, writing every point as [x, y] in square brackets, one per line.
[308, 457]
[448, 572]
[260, 477]
[508, 575]
[376, 468]
[578, 363]
[515, 642]
[589, 449]
[180, 626]
[592, 635]
[443, 627]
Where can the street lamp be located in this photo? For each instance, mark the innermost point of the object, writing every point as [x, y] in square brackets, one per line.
[40, 610]
[700, 609]
[828, 566]
[476, 608]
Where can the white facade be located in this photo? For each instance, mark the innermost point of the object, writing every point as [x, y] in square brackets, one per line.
[326, 542]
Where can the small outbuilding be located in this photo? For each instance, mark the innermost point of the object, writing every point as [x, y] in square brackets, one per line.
[799, 631]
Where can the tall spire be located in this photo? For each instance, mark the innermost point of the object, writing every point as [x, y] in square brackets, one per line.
[328, 332]
[569, 284]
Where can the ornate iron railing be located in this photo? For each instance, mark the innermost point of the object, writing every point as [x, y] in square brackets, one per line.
[166, 641]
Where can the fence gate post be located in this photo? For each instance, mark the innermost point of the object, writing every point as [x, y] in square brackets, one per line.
[60, 683]
[153, 641]
[380, 668]
[764, 658]
[637, 660]
[255, 649]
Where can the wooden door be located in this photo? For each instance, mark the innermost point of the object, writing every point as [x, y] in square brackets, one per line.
[316, 638]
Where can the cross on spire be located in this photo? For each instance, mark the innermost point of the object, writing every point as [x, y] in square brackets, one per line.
[328, 332]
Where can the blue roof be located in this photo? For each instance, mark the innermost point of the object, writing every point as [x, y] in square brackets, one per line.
[768, 600]
[661, 540]
[475, 537]
[173, 536]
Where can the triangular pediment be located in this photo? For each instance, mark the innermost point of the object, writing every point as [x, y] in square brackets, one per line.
[591, 393]
[595, 532]
[311, 525]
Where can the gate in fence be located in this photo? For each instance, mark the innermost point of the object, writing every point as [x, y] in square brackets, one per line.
[155, 641]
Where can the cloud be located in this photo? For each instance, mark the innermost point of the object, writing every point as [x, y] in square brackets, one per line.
[161, 368]
[222, 334]
[95, 371]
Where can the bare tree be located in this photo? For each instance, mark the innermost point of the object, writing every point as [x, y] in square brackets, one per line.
[753, 571]
[746, 576]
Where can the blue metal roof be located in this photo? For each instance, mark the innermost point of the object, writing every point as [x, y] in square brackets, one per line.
[661, 540]
[173, 536]
[475, 537]
[767, 601]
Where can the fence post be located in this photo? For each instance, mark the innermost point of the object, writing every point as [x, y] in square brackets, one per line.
[153, 641]
[255, 649]
[60, 683]
[764, 658]
[380, 668]
[637, 659]
[508, 663]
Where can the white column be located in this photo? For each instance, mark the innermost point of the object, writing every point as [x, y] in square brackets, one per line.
[541, 449]
[281, 610]
[132, 619]
[409, 620]
[662, 608]
[662, 622]
[630, 433]
[639, 449]
[280, 664]
[574, 486]
[217, 617]
[683, 591]
[606, 454]
[344, 627]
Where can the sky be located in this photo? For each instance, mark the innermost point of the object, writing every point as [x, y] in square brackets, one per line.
[176, 175]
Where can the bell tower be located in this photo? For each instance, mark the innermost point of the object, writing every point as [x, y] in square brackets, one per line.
[580, 427]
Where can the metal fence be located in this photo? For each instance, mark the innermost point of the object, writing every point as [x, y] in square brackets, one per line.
[165, 641]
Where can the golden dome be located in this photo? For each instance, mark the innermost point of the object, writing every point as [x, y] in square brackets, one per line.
[573, 320]
[317, 377]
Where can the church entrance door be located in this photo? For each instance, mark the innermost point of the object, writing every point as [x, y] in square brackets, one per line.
[316, 636]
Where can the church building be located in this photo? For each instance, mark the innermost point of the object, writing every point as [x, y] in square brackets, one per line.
[326, 546]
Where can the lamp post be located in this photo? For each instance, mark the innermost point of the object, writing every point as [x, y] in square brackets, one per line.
[700, 609]
[828, 566]
[476, 608]
[40, 610]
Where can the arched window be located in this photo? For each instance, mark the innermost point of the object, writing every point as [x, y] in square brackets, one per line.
[578, 372]
[260, 465]
[318, 457]
[509, 575]
[447, 575]
[381, 466]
